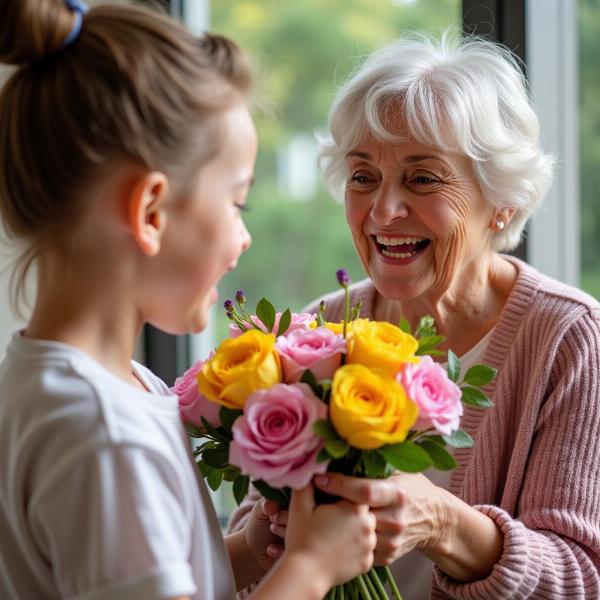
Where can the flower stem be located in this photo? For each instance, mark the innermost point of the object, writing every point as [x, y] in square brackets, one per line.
[364, 590]
[372, 591]
[346, 309]
[379, 589]
[395, 590]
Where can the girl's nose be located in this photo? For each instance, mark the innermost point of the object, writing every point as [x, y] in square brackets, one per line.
[246, 238]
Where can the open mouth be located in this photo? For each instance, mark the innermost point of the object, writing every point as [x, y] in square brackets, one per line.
[400, 247]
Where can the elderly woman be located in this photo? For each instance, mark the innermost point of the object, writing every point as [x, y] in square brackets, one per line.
[435, 149]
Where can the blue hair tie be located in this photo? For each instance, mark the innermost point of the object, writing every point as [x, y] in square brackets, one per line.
[79, 8]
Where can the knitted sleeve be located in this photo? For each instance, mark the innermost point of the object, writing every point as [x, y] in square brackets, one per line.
[552, 543]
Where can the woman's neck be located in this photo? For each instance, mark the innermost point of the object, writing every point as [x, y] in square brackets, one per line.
[466, 310]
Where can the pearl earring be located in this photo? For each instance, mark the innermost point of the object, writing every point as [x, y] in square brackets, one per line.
[499, 225]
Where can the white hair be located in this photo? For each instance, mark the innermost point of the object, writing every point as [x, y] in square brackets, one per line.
[460, 95]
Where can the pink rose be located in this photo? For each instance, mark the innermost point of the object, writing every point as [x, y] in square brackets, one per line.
[437, 397]
[319, 350]
[299, 321]
[273, 440]
[192, 404]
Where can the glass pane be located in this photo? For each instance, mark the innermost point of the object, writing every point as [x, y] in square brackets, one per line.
[589, 131]
[302, 49]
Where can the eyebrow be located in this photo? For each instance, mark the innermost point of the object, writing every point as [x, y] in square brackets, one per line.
[413, 158]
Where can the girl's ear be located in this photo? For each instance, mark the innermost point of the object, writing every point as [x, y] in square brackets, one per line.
[147, 217]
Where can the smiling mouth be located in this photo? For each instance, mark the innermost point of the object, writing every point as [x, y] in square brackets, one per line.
[400, 247]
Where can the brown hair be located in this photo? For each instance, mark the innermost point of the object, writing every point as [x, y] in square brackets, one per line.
[134, 84]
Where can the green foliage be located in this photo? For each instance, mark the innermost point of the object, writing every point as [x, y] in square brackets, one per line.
[407, 457]
[475, 397]
[480, 375]
[453, 366]
[265, 311]
[459, 439]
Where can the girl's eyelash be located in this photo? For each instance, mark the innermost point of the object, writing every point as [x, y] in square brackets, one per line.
[243, 207]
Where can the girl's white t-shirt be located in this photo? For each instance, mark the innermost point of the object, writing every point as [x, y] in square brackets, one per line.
[99, 495]
[413, 571]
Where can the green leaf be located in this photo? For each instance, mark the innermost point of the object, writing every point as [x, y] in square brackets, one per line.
[204, 469]
[215, 457]
[231, 473]
[475, 397]
[407, 457]
[323, 456]
[227, 416]
[404, 325]
[309, 378]
[282, 496]
[265, 311]
[219, 434]
[436, 439]
[337, 448]
[240, 488]
[374, 464]
[193, 430]
[325, 430]
[284, 322]
[480, 375]
[459, 439]
[426, 327]
[214, 479]
[453, 366]
[429, 342]
[440, 457]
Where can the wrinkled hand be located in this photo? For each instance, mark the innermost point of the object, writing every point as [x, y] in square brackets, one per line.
[338, 538]
[264, 545]
[411, 511]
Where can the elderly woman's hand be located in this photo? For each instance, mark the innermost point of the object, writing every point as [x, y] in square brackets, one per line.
[411, 511]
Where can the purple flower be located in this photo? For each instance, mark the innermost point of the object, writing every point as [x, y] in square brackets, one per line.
[319, 350]
[240, 297]
[274, 440]
[343, 277]
[228, 305]
[299, 321]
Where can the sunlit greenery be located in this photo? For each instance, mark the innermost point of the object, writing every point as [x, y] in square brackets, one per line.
[302, 51]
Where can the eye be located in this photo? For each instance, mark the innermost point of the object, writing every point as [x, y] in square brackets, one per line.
[424, 179]
[361, 177]
[242, 207]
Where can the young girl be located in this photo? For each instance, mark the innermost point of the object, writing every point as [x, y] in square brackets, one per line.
[126, 153]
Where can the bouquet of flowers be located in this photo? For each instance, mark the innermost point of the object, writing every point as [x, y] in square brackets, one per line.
[288, 396]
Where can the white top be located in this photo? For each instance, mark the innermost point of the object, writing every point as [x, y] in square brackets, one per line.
[413, 571]
[99, 495]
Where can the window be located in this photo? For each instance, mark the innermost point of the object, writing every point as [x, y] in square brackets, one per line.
[301, 51]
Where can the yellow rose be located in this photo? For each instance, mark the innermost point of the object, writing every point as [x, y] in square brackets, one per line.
[239, 367]
[370, 409]
[335, 327]
[380, 345]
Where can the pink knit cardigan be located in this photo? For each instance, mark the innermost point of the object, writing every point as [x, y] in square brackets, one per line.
[535, 465]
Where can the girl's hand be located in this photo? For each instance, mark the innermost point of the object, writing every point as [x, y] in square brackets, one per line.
[264, 545]
[410, 510]
[338, 539]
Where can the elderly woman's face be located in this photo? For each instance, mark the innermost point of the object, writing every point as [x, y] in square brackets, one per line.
[417, 216]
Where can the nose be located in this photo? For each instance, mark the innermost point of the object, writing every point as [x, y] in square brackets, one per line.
[389, 204]
[246, 238]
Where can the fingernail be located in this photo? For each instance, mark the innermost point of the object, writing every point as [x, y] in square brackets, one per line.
[322, 480]
[273, 527]
[273, 551]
